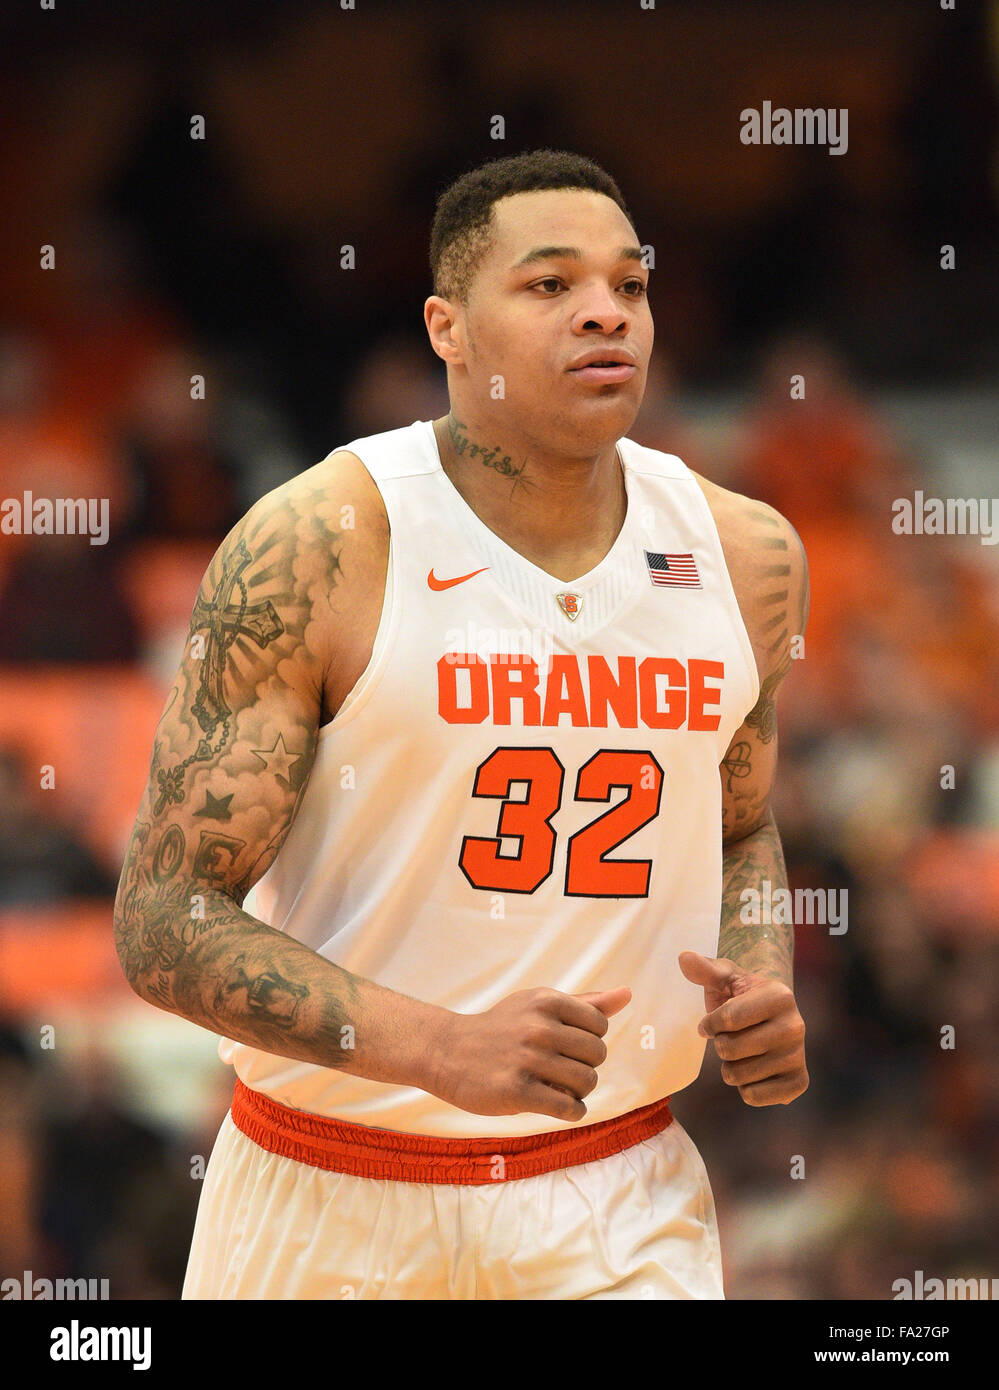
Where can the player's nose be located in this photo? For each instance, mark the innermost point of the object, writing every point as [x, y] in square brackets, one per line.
[600, 309]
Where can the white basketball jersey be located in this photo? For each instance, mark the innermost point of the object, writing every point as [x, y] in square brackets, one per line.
[522, 789]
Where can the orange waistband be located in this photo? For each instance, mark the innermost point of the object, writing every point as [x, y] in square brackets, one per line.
[343, 1147]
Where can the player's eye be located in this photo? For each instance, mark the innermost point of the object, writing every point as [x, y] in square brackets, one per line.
[634, 287]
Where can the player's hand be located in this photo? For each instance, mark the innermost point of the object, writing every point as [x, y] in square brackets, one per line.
[756, 1027]
[535, 1051]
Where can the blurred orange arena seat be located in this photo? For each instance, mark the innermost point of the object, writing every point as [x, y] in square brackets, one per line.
[93, 726]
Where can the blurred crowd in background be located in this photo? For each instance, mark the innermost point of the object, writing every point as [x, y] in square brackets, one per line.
[168, 270]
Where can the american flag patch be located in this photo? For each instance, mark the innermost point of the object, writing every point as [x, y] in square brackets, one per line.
[673, 571]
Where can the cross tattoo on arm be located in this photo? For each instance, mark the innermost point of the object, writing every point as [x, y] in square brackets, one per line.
[225, 622]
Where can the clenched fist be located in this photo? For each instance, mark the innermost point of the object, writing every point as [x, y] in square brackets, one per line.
[535, 1051]
[757, 1030]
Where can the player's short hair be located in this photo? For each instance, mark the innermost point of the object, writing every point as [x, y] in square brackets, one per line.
[462, 229]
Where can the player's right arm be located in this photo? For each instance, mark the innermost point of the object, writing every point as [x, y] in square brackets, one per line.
[231, 759]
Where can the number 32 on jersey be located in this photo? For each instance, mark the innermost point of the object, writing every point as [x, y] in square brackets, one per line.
[588, 871]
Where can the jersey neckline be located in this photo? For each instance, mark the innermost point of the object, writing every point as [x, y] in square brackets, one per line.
[492, 538]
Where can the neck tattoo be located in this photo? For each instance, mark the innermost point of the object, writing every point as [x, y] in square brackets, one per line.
[492, 458]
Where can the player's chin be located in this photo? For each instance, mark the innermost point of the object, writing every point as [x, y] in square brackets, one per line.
[619, 404]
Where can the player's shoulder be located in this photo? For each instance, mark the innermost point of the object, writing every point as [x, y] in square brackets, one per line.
[331, 510]
[319, 540]
[753, 531]
[746, 520]
[760, 545]
[336, 493]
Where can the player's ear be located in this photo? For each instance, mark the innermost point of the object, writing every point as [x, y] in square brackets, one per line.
[442, 318]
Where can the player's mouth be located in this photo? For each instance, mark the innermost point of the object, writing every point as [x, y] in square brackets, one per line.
[604, 367]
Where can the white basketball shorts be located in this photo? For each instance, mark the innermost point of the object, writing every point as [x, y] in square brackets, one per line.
[637, 1223]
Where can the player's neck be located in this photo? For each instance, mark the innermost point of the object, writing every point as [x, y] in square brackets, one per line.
[561, 514]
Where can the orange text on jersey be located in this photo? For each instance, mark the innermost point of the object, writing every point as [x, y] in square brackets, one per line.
[659, 692]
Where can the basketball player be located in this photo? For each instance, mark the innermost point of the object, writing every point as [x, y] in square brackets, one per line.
[468, 759]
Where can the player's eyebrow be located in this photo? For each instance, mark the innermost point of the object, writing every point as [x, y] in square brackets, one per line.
[570, 253]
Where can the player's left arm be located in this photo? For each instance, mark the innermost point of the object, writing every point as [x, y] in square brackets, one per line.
[751, 1012]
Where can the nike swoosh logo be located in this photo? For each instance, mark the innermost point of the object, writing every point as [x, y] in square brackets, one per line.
[439, 584]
